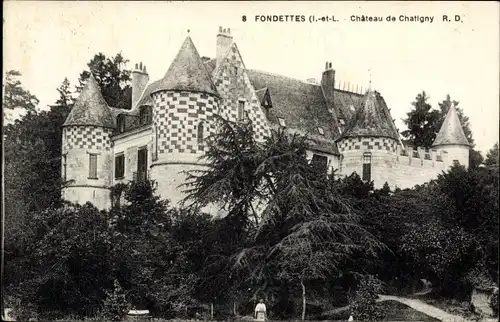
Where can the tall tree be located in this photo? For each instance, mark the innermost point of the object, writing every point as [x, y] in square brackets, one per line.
[305, 231]
[113, 78]
[15, 96]
[492, 156]
[421, 122]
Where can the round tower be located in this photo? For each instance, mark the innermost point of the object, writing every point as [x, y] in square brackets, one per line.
[369, 144]
[451, 141]
[183, 106]
[86, 149]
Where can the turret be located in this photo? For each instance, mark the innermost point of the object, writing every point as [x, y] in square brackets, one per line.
[86, 150]
[369, 143]
[184, 103]
[451, 140]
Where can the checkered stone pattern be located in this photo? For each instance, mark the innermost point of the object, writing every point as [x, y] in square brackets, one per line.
[87, 137]
[176, 117]
[233, 85]
[365, 143]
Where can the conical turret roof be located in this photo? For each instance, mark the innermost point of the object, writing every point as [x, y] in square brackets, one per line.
[370, 119]
[451, 131]
[90, 108]
[187, 72]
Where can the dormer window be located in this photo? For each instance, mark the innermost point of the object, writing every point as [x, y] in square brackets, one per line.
[321, 131]
[121, 123]
[281, 121]
[145, 115]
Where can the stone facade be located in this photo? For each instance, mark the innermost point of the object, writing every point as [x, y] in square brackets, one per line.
[354, 132]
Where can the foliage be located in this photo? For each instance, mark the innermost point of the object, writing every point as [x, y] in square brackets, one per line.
[15, 96]
[422, 123]
[492, 156]
[441, 253]
[364, 304]
[305, 230]
[112, 77]
[68, 263]
[115, 306]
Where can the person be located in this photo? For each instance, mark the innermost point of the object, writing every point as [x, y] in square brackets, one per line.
[260, 311]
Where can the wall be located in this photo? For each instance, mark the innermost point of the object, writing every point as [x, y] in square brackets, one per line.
[232, 82]
[128, 144]
[176, 117]
[382, 152]
[78, 143]
[333, 160]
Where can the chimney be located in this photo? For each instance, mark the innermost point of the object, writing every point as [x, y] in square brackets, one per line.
[140, 79]
[224, 40]
[328, 85]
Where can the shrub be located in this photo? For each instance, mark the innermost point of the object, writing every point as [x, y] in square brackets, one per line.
[115, 306]
[364, 304]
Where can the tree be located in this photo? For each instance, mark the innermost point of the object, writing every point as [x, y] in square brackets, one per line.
[67, 261]
[15, 96]
[492, 156]
[112, 77]
[422, 123]
[305, 231]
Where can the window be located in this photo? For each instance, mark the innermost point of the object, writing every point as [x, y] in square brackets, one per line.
[321, 131]
[121, 123]
[64, 167]
[92, 166]
[145, 115]
[281, 121]
[155, 154]
[142, 164]
[241, 110]
[119, 166]
[199, 135]
[320, 162]
[367, 166]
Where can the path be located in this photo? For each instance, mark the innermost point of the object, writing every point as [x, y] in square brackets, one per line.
[415, 304]
[425, 308]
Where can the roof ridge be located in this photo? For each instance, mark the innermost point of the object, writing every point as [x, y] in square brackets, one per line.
[284, 76]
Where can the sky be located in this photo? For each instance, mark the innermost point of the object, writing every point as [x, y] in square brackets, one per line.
[48, 41]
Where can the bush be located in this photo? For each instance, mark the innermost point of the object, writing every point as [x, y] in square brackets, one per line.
[115, 306]
[494, 303]
[364, 304]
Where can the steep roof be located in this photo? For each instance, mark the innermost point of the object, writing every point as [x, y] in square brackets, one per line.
[451, 131]
[187, 72]
[90, 107]
[371, 119]
[146, 98]
[300, 104]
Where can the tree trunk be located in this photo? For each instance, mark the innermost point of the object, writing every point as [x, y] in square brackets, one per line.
[303, 300]
[234, 308]
[211, 311]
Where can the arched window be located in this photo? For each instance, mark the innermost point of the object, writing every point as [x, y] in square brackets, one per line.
[200, 134]
[367, 166]
[145, 115]
[121, 123]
